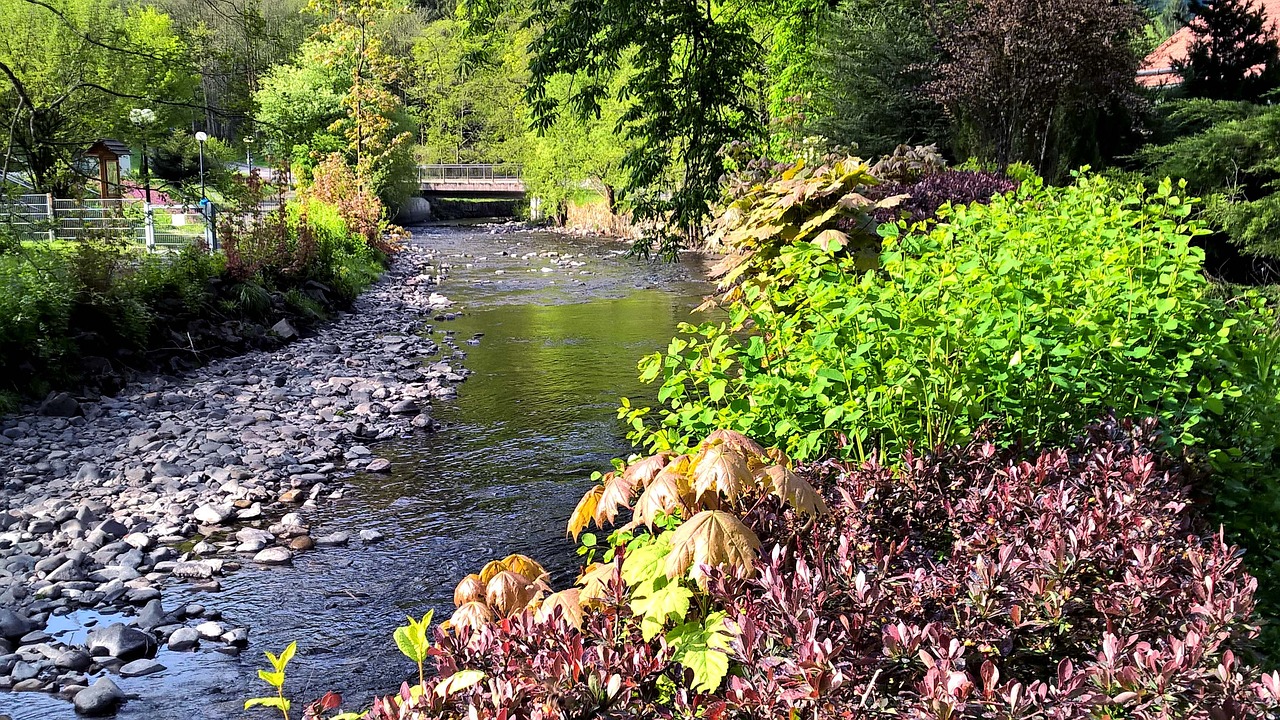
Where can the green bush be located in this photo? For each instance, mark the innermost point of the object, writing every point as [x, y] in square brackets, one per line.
[1025, 317]
[37, 294]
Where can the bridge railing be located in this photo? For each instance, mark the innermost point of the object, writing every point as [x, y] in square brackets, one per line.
[463, 173]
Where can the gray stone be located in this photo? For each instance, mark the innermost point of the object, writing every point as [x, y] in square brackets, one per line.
[184, 639]
[152, 616]
[138, 668]
[59, 405]
[341, 537]
[73, 659]
[372, 536]
[274, 556]
[13, 625]
[101, 698]
[120, 641]
[211, 514]
[285, 330]
[381, 465]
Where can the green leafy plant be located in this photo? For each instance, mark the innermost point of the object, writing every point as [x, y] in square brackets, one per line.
[275, 678]
[414, 643]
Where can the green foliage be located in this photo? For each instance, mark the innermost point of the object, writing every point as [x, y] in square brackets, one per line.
[1233, 54]
[414, 642]
[1041, 308]
[275, 678]
[876, 59]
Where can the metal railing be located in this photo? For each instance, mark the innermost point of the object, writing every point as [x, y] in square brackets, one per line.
[157, 227]
[465, 174]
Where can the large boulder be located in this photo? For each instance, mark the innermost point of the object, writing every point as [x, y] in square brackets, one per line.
[59, 405]
[121, 641]
[101, 698]
[13, 625]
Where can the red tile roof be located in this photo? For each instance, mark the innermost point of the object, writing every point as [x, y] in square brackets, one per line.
[1157, 69]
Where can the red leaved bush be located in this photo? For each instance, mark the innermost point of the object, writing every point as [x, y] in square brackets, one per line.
[334, 182]
[976, 585]
[972, 584]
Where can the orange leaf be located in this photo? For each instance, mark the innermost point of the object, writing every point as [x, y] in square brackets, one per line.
[642, 472]
[720, 468]
[712, 538]
[595, 581]
[569, 603]
[735, 440]
[471, 616]
[668, 493]
[491, 568]
[524, 565]
[469, 590]
[794, 490]
[581, 516]
[508, 593]
[617, 494]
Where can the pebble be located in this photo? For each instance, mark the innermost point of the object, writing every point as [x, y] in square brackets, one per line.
[104, 501]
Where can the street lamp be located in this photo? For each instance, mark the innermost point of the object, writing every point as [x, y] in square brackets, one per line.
[201, 137]
[248, 152]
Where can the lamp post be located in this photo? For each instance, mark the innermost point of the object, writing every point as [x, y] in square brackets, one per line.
[201, 137]
[248, 152]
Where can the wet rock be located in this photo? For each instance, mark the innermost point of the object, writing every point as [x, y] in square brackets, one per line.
[274, 556]
[184, 639]
[73, 659]
[210, 630]
[101, 698]
[120, 641]
[372, 536]
[139, 668]
[381, 465]
[341, 537]
[152, 616]
[302, 543]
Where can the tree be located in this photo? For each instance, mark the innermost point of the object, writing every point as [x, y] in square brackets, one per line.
[70, 71]
[876, 56]
[1234, 55]
[1026, 80]
[687, 95]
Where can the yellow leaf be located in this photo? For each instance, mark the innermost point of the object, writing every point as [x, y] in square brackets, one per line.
[713, 538]
[470, 589]
[642, 472]
[471, 616]
[668, 493]
[508, 593]
[794, 490]
[720, 468]
[735, 440]
[831, 240]
[490, 569]
[525, 565]
[458, 682]
[569, 602]
[595, 581]
[617, 493]
[582, 514]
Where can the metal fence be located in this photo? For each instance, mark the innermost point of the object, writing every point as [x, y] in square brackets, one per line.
[157, 227]
[468, 173]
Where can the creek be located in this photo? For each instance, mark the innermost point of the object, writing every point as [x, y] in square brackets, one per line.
[552, 346]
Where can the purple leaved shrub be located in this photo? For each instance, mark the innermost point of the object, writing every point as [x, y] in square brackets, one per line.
[930, 192]
[975, 584]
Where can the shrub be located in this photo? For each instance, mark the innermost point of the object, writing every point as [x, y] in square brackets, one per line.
[930, 192]
[975, 584]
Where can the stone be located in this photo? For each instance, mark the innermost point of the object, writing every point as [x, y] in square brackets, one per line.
[210, 630]
[380, 465]
[152, 616]
[13, 625]
[292, 496]
[341, 537]
[404, 407]
[285, 330]
[73, 659]
[302, 543]
[101, 698]
[59, 405]
[274, 556]
[372, 536]
[138, 668]
[184, 639]
[120, 641]
[212, 515]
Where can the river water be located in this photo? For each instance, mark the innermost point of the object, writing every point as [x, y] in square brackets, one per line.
[556, 350]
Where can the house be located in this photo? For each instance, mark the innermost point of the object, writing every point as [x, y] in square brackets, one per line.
[1158, 70]
[104, 163]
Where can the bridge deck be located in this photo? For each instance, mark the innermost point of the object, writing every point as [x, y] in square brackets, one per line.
[471, 180]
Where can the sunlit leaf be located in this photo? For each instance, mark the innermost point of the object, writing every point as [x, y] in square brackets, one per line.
[471, 589]
[405, 642]
[720, 468]
[471, 616]
[271, 702]
[582, 514]
[274, 679]
[595, 581]
[794, 490]
[287, 655]
[735, 440]
[568, 602]
[713, 538]
[617, 494]
[491, 568]
[669, 493]
[647, 562]
[703, 648]
[831, 240]
[508, 593]
[669, 602]
[458, 682]
[526, 566]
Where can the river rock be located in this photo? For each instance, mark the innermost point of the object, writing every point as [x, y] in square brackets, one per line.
[120, 641]
[59, 405]
[101, 698]
[285, 330]
[73, 659]
[372, 536]
[341, 537]
[212, 515]
[381, 465]
[138, 668]
[274, 556]
[13, 625]
[302, 543]
[184, 639]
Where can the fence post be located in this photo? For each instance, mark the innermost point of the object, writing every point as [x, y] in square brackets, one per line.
[149, 226]
[53, 219]
[210, 231]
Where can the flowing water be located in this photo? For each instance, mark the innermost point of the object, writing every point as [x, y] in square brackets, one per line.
[518, 445]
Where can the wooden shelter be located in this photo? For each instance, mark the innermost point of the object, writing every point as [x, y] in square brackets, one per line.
[112, 159]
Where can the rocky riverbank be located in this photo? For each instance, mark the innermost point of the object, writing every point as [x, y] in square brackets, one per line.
[185, 478]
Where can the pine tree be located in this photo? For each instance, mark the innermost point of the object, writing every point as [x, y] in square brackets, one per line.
[1234, 55]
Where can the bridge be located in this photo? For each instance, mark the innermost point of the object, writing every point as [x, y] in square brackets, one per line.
[471, 181]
